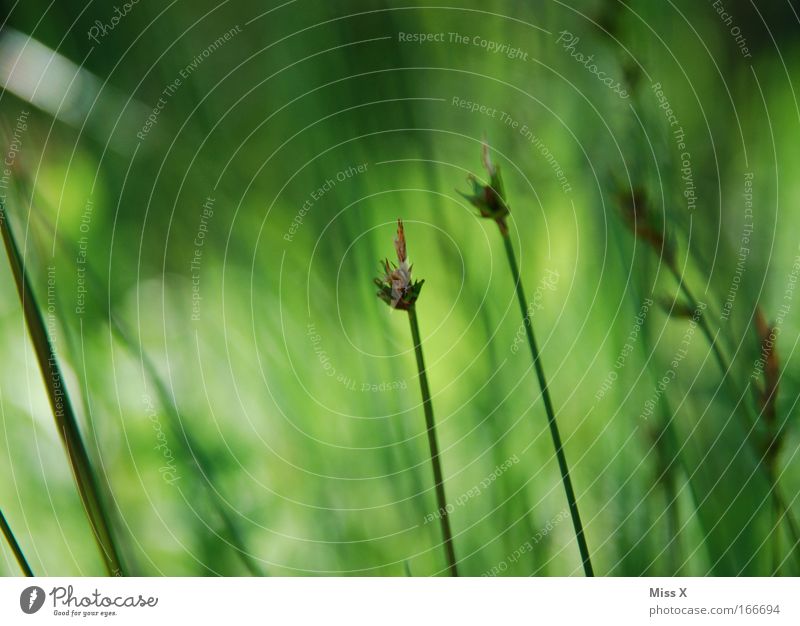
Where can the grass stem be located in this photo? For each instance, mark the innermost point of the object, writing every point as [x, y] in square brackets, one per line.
[66, 422]
[548, 405]
[15, 548]
[427, 406]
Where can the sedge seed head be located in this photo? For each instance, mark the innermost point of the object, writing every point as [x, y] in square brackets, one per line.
[396, 287]
[489, 198]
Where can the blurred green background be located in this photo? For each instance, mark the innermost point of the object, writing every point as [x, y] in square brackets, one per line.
[187, 195]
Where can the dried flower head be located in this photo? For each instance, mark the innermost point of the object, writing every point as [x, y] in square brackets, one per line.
[396, 287]
[489, 199]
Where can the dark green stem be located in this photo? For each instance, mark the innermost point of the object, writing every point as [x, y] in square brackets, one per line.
[548, 405]
[12, 541]
[66, 422]
[430, 425]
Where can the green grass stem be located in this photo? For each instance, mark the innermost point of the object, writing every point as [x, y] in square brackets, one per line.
[66, 421]
[430, 425]
[548, 405]
[15, 547]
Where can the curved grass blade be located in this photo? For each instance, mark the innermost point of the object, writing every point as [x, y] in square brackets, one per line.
[490, 200]
[66, 421]
[191, 449]
[14, 544]
[430, 427]
[551, 416]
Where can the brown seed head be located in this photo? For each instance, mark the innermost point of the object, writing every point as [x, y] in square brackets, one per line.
[396, 287]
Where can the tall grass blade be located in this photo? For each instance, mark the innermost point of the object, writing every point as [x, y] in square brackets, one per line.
[548, 405]
[66, 421]
[430, 425]
[15, 547]
[190, 447]
[398, 290]
[490, 200]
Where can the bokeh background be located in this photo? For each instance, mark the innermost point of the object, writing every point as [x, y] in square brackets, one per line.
[202, 192]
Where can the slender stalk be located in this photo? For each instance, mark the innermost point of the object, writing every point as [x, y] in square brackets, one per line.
[783, 511]
[12, 541]
[66, 421]
[427, 406]
[548, 405]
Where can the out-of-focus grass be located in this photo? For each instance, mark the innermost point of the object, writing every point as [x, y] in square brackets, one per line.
[322, 478]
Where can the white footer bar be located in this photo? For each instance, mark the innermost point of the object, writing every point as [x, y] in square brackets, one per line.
[401, 601]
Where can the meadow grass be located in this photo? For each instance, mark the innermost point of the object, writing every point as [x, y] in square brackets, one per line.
[397, 289]
[430, 428]
[192, 451]
[760, 430]
[14, 545]
[66, 421]
[490, 200]
[382, 112]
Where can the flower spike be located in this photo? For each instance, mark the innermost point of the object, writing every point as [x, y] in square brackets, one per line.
[489, 199]
[396, 287]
